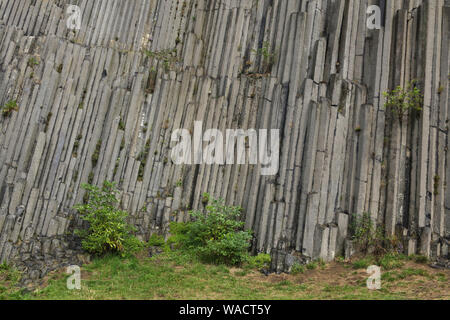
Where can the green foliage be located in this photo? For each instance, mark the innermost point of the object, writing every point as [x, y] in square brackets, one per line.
[388, 261]
[96, 153]
[156, 240]
[108, 231]
[9, 273]
[121, 125]
[179, 275]
[259, 261]
[312, 265]
[178, 237]
[418, 258]
[142, 157]
[216, 236]
[402, 101]
[32, 62]
[391, 261]
[268, 57]
[205, 198]
[167, 57]
[363, 263]
[9, 283]
[9, 107]
[231, 249]
[366, 234]
[298, 268]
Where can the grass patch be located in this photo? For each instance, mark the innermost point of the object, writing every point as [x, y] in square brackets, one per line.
[298, 269]
[9, 283]
[9, 107]
[363, 263]
[182, 275]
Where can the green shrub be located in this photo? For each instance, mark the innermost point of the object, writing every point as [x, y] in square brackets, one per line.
[216, 236]
[108, 231]
[402, 101]
[178, 234]
[231, 249]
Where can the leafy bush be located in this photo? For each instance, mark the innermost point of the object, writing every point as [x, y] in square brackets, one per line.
[231, 249]
[108, 231]
[402, 101]
[216, 236]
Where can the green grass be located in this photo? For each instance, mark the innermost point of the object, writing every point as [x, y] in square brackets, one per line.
[388, 261]
[9, 281]
[9, 107]
[363, 263]
[179, 275]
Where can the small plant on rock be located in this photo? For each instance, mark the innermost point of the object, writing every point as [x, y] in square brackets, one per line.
[403, 101]
[366, 235]
[268, 57]
[9, 107]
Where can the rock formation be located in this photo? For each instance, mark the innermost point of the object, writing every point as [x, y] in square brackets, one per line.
[102, 102]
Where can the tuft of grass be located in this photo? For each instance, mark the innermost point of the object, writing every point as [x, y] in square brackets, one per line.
[9, 283]
[9, 107]
[312, 265]
[363, 263]
[96, 154]
[32, 62]
[419, 258]
[298, 269]
[391, 261]
[413, 272]
[260, 261]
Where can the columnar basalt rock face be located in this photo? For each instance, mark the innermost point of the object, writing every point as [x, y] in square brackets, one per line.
[101, 103]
